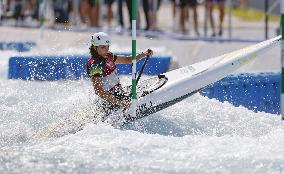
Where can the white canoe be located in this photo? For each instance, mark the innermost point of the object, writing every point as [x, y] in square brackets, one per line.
[165, 90]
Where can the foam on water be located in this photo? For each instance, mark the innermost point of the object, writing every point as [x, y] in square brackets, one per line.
[197, 135]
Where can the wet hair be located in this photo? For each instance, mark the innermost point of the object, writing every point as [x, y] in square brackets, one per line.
[93, 51]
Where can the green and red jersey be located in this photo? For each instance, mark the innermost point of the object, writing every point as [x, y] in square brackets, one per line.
[105, 68]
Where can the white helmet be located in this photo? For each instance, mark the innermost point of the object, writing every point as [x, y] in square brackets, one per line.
[100, 38]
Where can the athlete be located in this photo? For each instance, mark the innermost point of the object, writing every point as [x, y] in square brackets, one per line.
[101, 68]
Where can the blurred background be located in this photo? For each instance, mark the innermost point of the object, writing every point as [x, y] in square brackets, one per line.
[230, 19]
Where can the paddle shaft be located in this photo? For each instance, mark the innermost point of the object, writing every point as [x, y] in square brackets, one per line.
[142, 69]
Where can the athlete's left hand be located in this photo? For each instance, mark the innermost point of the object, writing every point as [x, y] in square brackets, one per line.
[149, 52]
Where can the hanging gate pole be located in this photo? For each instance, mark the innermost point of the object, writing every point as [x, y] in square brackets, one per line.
[282, 62]
[134, 93]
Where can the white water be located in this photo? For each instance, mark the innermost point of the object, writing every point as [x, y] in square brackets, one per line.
[197, 135]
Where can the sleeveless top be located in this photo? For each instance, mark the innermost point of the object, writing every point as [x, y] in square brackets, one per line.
[105, 68]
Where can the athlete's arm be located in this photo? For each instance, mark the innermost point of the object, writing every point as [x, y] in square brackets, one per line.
[128, 59]
[97, 83]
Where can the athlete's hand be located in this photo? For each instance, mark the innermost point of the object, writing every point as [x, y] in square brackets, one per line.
[125, 103]
[149, 52]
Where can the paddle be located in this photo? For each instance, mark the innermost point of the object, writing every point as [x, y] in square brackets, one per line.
[142, 69]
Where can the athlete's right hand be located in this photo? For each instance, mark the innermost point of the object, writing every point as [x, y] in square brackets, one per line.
[125, 103]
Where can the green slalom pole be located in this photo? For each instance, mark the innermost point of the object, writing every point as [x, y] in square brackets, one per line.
[134, 92]
[282, 62]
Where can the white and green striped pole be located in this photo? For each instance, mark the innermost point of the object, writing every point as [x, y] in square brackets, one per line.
[282, 62]
[134, 94]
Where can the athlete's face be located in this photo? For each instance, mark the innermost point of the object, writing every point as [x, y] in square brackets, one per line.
[103, 50]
